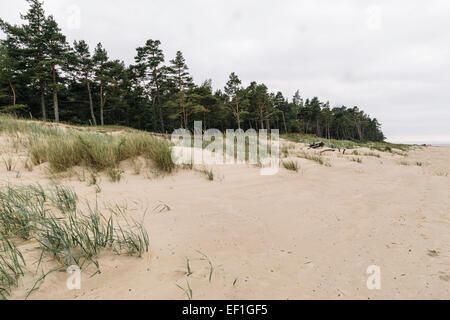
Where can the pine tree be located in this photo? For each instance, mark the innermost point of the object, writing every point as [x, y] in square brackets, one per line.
[233, 90]
[282, 107]
[150, 59]
[179, 75]
[297, 99]
[100, 61]
[33, 40]
[10, 67]
[115, 84]
[56, 50]
[83, 66]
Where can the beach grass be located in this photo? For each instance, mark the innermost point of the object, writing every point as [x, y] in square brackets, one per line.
[290, 165]
[12, 266]
[313, 157]
[207, 172]
[63, 232]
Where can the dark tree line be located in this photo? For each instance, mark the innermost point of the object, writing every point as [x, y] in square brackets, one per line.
[42, 74]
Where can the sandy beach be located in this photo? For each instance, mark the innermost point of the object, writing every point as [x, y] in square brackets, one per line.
[310, 234]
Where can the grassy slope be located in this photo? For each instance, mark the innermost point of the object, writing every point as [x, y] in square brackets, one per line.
[65, 233]
[65, 146]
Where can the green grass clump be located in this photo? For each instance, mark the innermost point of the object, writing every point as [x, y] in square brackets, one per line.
[11, 266]
[358, 160]
[115, 174]
[79, 238]
[37, 150]
[372, 154]
[290, 165]
[65, 199]
[9, 164]
[285, 151]
[313, 157]
[161, 155]
[208, 173]
[20, 209]
[64, 233]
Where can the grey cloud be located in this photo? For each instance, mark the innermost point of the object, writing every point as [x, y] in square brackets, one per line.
[397, 70]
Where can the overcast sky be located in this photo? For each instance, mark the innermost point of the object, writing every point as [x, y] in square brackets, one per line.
[390, 58]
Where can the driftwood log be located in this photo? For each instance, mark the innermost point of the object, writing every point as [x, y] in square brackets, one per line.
[326, 150]
[316, 145]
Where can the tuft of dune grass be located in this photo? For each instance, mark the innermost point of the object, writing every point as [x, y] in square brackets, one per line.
[63, 233]
[314, 157]
[290, 165]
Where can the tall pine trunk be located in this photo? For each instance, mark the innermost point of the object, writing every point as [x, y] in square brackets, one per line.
[55, 105]
[155, 124]
[102, 104]
[161, 118]
[284, 122]
[44, 109]
[358, 128]
[13, 93]
[55, 96]
[185, 118]
[91, 105]
[238, 117]
[261, 118]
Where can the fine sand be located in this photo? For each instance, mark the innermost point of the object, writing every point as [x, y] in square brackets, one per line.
[310, 234]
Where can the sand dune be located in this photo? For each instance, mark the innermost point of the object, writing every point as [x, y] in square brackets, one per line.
[296, 235]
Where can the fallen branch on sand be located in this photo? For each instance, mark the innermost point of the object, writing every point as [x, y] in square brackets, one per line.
[316, 145]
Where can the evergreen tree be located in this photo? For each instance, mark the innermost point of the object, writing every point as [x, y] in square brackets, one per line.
[34, 42]
[150, 59]
[234, 92]
[56, 51]
[115, 84]
[100, 61]
[83, 67]
[282, 107]
[178, 73]
[10, 68]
